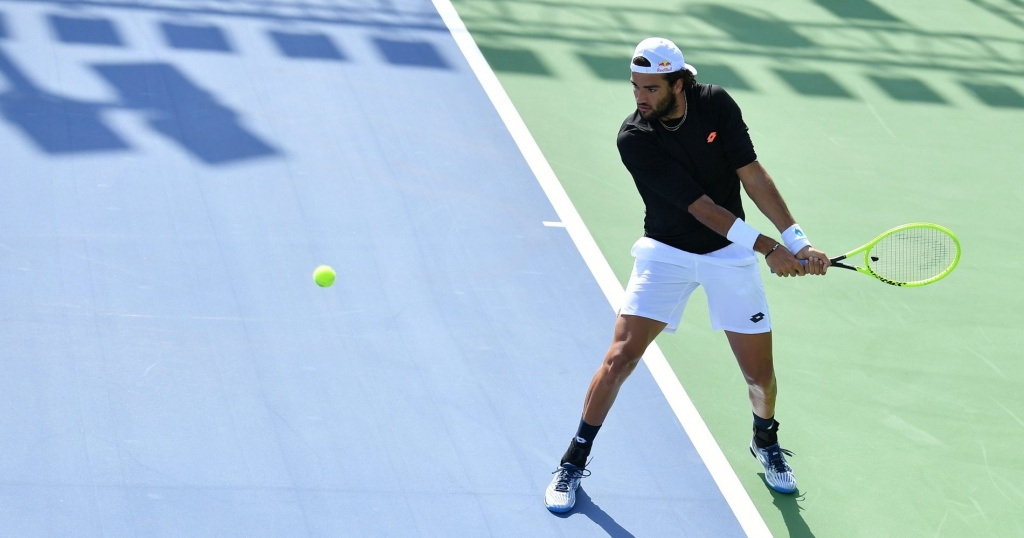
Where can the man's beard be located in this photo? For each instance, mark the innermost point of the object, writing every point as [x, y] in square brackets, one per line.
[661, 109]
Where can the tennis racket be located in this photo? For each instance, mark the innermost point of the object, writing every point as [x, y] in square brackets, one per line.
[909, 255]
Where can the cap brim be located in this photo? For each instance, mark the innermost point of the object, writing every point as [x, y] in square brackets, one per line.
[653, 70]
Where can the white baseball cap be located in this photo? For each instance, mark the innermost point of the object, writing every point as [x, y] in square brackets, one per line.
[664, 56]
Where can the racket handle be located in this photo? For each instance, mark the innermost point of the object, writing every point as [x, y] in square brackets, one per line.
[802, 262]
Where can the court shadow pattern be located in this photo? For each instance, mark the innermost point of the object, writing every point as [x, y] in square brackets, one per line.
[906, 89]
[862, 10]
[865, 35]
[616, 68]
[173, 104]
[86, 30]
[514, 60]
[813, 83]
[306, 45]
[40, 114]
[195, 37]
[996, 95]
[183, 112]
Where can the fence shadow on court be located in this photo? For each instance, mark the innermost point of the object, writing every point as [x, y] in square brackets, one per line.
[174, 102]
[907, 63]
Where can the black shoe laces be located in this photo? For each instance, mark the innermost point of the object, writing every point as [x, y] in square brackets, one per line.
[566, 476]
[776, 460]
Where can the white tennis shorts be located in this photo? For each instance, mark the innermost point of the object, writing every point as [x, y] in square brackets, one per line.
[664, 278]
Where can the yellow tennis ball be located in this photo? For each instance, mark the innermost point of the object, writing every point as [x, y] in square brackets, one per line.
[324, 276]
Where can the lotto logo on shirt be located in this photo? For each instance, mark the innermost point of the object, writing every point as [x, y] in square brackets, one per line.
[665, 67]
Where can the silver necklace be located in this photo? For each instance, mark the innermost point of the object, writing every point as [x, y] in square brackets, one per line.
[686, 110]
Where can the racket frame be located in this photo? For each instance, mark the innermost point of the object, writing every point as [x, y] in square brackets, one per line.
[866, 250]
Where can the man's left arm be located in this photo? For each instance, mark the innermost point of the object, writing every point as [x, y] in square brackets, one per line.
[761, 189]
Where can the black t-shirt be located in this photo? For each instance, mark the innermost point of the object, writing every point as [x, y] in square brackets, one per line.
[672, 169]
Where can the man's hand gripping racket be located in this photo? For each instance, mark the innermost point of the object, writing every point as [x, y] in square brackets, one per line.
[909, 255]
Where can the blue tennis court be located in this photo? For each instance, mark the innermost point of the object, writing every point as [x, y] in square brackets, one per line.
[174, 171]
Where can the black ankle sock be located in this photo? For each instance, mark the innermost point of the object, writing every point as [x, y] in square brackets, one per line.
[763, 423]
[579, 448]
[586, 433]
[765, 431]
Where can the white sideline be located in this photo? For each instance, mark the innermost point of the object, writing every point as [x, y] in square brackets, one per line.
[714, 459]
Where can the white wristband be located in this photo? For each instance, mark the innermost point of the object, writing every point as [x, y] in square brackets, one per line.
[742, 233]
[795, 239]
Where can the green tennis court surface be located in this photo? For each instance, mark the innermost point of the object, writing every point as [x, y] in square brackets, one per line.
[903, 406]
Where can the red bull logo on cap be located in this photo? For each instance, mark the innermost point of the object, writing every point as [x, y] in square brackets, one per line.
[665, 67]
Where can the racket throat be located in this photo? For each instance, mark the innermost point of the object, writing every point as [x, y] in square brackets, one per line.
[835, 263]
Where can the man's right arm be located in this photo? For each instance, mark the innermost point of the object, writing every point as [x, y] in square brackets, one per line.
[721, 221]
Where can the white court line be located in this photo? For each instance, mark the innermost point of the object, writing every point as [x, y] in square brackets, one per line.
[714, 459]
[695, 427]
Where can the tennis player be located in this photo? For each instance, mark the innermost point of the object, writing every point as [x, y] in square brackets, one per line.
[688, 150]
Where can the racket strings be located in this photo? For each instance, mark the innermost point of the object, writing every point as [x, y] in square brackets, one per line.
[913, 255]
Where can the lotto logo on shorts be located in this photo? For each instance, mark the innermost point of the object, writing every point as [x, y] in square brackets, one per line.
[757, 317]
